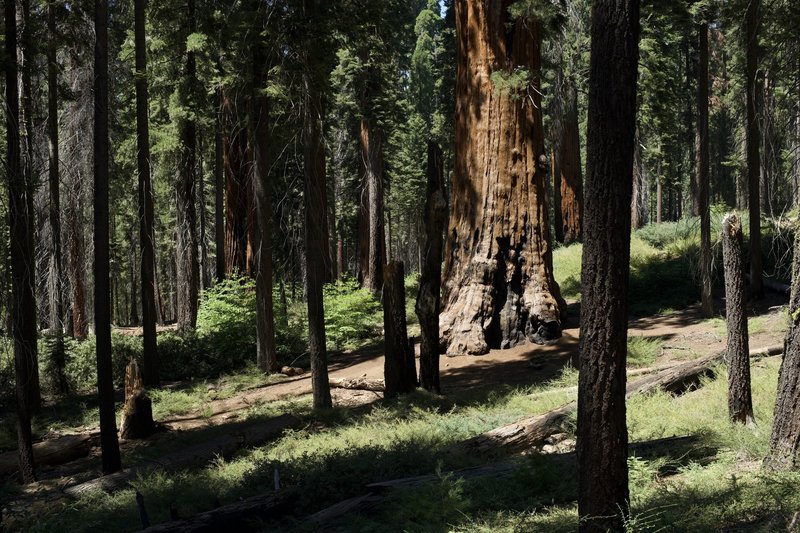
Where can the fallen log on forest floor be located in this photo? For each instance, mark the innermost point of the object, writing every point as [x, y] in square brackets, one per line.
[52, 452]
[373, 385]
[531, 431]
[238, 516]
[253, 435]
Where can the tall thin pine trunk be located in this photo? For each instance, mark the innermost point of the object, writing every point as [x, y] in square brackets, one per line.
[602, 434]
[102, 291]
[188, 274]
[57, 314]
[150, 368]
[752, 140]
[219, 195]
[23, 304]
[702, 173]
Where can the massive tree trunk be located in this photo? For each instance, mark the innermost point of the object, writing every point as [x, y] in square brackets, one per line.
[265, 321]
[740, 403]
[569, 181]
[372, 236]
[102, 296]
[498, 288]
[188, 273]
[602, 435]
[429, 296]
[23, 304]
[702, 170]
[238, 248]
[146, 232]
[784, 444]
[57, 312]
[751, 24]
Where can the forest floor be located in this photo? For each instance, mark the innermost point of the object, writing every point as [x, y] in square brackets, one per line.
[199, 417]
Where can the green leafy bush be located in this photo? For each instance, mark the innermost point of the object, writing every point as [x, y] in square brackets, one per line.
[351, 314]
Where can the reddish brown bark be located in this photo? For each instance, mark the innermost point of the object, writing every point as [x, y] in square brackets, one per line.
[237, 159]
[498, 288]
[371, 232]
[569, 181]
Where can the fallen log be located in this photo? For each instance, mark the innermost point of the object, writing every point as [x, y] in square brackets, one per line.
[531, 431]
[238, 516]
[253, 435]
[52, 452]
[374, 385]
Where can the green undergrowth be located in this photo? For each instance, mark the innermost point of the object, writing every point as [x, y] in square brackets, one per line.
[714, 482]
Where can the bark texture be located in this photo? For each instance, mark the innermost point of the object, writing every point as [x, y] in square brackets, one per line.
[219, 197]
[702, 171]
[498, 288]
[428, 303]
[740, 403]
[188, 271]
[569, 181]
[102, 291]
[372, 233]
[784, 443]
[266, 357]
[146, 215]
[399, 367]
[752, 140]
[602, 434]
[23, 305]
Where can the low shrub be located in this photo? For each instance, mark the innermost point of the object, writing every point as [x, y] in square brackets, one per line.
[352, 314]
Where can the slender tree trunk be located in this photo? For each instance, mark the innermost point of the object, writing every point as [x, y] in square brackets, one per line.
[639, 206]
[659, 200]
[399, 368]
[25, 55]
[429, 296]
[784, 443]
[371, 219]
[219, 194]
[188, 278]
[740, 404]
[751, 24]
[498, 286]
[23, 304]
[602, 443]
[265, 320]
[205, 282]
[570, 194]
[102, 296]
[315, 217]
[150, 370]
[702, 172]
[57, 322]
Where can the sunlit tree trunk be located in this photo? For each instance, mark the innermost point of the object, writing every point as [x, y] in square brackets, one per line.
[372, 236]
[498, 286]
[751, 24]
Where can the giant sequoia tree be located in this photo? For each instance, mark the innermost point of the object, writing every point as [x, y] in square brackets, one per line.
[498, 275]
[602, 431]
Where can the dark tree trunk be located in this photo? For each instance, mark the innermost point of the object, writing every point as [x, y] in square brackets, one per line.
[568, 166]
[659, 200]
[23, 304]
[399, 367]
[751, 24]
[702, 174]
[740, 404]
[219, 195]
[77, 266]
[205, 282]
[102, 295]
[146, 215]
[784, 444]
[316, 242]
[57, 313]
[498, 287]
[372, 236]
[188, 275]
[602, 435]
[429, 296]
[238, 192]
[265, 320]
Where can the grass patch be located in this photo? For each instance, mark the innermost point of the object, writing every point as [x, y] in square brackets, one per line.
[643, 351]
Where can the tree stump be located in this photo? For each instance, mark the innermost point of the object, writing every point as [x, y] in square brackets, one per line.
[137, 414]
[399, 367]
[740, 403]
